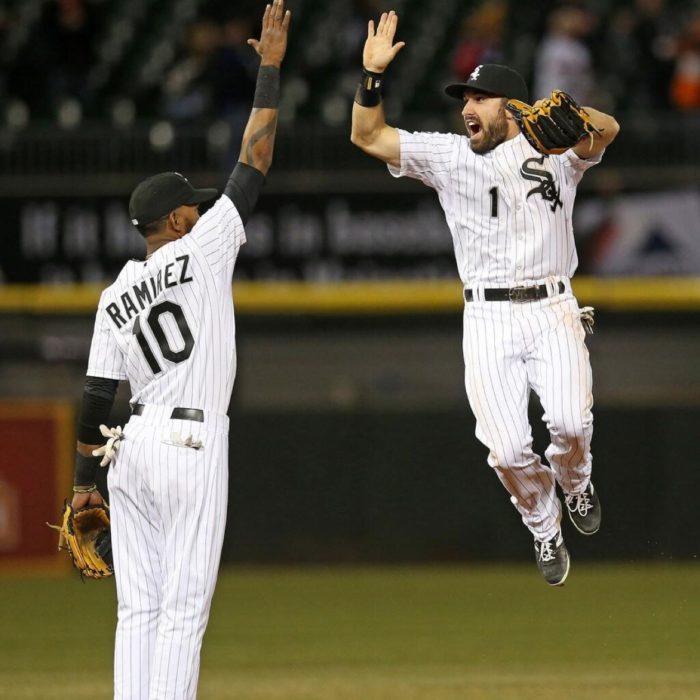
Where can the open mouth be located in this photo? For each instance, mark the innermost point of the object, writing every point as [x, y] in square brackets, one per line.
[473, 127]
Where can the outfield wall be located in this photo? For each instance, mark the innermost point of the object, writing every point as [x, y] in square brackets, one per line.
[398, 486]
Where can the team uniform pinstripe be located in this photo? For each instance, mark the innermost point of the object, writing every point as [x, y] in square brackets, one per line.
[167, 325]
[509, 213]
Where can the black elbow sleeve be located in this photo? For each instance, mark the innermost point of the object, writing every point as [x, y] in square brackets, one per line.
[243, 188]
[98, 398]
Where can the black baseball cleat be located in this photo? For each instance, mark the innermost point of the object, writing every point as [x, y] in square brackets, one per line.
[552, 560]
[584, 510]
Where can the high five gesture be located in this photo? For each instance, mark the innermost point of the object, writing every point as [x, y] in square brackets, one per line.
[369, 128]
[273, 38]
[380, 50]
[259, 135]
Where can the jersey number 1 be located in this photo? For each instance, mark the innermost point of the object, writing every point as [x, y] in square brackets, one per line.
[493, 192]
[153, 320]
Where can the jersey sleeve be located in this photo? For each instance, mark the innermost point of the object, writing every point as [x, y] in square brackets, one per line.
[220, 235]
[425, 156]
[106, 357]
[574, 166]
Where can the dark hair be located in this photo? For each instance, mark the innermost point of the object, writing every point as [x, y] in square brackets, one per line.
[154, 227]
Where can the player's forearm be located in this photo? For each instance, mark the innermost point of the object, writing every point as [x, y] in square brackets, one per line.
[258, 142]
[606, 124]
[367, 124]
[608, 129]
[85, 469]
[370, 132]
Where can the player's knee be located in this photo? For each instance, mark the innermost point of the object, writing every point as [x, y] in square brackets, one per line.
[510, 456]
[571, 427]
[572, 435]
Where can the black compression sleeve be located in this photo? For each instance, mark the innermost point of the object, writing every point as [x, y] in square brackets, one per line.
[98, 398]
[267, 88]
[243, 188]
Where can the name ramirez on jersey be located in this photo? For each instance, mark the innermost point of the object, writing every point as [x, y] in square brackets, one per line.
[155, 323]
[148, 290]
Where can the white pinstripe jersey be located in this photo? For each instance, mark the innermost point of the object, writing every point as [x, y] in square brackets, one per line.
[509, 210]
[167, 324]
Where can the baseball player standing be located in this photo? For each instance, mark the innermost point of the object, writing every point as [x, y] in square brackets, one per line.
[167, 325]
[509, 210]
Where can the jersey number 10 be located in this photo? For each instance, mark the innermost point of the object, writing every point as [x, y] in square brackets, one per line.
[153, 320]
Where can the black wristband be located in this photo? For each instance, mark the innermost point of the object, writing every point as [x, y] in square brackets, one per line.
[369, 91]
[267, 89]
[85, 470]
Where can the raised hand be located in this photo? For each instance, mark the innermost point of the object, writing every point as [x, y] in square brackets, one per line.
[273, 38]
[379, 49]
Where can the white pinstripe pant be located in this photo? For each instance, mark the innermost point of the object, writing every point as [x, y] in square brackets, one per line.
[168, 513]
[510, 348]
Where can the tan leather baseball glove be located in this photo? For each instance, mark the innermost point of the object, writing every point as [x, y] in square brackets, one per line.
[85, 535]
[555, 124]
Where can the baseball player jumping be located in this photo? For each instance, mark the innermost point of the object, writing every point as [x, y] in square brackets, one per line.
[507, 188]
[167, 325]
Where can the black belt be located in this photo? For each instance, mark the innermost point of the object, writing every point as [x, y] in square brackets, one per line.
[178, 413]
[516, 294]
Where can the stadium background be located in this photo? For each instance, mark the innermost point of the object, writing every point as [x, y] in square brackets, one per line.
[351, 438]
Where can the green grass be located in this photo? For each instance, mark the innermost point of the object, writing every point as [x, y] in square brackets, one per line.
[429, 633]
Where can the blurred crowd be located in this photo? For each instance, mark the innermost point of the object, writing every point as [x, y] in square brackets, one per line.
[71, 53]
[195, 64]
[619, 55]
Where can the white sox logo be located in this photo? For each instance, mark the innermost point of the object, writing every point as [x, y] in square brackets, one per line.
[546, 186]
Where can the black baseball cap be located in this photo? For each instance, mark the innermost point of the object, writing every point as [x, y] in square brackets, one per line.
[159, 194]
[494, 80]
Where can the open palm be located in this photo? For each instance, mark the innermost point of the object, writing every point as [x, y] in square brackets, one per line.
[380, 49]
[273, 38]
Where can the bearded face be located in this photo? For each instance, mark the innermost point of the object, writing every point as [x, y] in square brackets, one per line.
[485, 120]
[486, 133]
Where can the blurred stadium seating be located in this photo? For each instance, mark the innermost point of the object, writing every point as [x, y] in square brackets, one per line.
[132, 45]
[110, 86]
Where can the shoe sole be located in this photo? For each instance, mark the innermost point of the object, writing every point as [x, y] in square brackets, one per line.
[566, 573]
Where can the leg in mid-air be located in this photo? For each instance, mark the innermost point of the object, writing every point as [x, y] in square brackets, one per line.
[559, 370]
[498, 392]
